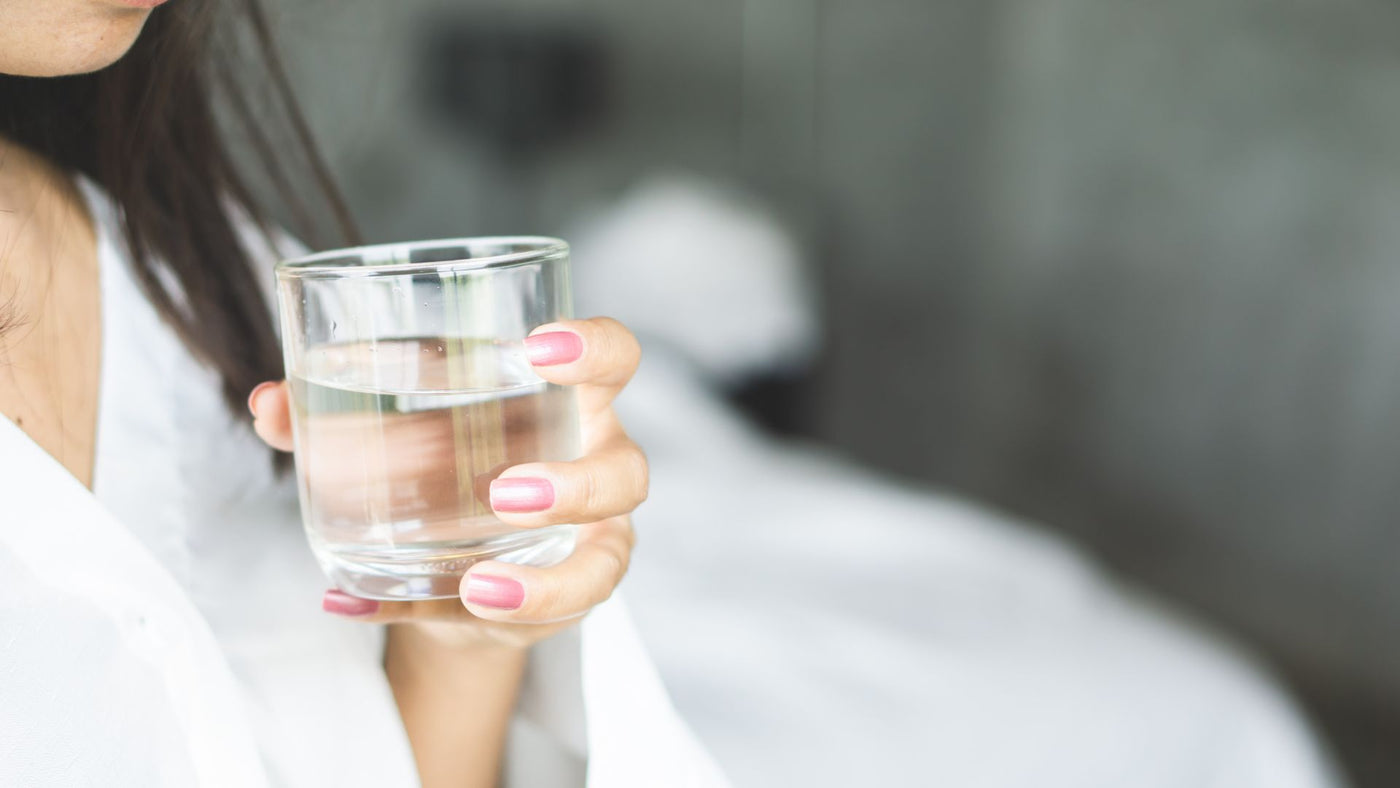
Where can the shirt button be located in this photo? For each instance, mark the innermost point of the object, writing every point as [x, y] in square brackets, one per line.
[146, 631]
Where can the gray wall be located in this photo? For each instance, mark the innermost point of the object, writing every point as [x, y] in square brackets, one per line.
[1127, 267]
[1188, 319]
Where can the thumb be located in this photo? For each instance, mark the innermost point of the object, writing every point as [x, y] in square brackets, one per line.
[272, 418]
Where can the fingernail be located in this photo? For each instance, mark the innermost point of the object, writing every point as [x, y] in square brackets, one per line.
[342, 604]
[253, 395]
[521, 495]
[501, 593]
[553, 347]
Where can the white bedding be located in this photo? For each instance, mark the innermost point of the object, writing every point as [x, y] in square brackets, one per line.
[821, 626]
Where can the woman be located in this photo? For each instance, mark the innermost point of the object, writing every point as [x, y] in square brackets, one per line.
[161, 629]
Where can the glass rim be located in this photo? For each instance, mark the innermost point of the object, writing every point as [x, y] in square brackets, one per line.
[393, 259]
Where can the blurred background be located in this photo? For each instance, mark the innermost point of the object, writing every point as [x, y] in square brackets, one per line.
[1123, 268]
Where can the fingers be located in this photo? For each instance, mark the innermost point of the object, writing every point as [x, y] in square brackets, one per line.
[611, 480]
[511, 594]
[598, 356]
[272, 418]
[534, 595]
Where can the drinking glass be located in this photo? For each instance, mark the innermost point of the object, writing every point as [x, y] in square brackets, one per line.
[410, 393]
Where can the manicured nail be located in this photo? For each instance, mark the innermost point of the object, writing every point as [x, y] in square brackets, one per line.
[253, 396]
[521, 495]
[553, 347]
[501, 593]
[342, 604]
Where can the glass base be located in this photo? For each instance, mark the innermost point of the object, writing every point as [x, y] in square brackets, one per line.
[434, 571]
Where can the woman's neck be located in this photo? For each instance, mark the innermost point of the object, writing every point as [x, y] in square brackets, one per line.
[50, 341]
[28, 182]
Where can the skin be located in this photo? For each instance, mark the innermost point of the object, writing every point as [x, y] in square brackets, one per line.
[49, 38]
[454, 666]
[49, 356]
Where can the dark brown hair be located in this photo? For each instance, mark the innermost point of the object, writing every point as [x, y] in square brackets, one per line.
[150, 130]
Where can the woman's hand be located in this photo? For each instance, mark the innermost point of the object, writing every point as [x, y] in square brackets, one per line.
[515, 606]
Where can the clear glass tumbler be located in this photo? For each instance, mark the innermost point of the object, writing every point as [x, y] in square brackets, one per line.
[411, 392]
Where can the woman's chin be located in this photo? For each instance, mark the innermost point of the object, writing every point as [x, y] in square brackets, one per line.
[83, 47]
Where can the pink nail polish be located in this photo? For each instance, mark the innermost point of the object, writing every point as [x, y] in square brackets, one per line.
[253, 395]
[342, 604]
[501, 593]
[553, 347]
[521, 495]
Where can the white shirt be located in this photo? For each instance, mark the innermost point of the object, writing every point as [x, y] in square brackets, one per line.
[165, 629]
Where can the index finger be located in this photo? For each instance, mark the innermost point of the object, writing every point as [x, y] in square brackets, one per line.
[598, 356]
